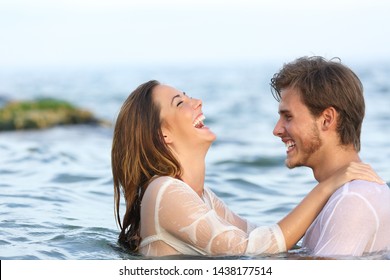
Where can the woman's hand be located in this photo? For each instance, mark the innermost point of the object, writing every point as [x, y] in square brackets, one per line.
[354, 171]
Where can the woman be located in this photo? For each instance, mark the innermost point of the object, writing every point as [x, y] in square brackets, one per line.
[158, 162]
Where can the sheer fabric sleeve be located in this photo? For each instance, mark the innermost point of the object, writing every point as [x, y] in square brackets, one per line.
[347, 227]
[225, 213]
[183, 214]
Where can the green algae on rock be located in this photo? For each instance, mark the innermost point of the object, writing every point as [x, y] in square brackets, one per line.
[42, 113]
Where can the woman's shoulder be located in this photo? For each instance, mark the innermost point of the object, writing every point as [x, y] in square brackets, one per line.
[158, 186]
[164, 189]
[161, 183]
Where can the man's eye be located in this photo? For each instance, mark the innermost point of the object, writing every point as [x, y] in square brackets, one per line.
[179, 103]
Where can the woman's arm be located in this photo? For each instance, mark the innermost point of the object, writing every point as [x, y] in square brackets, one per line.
[184, 215]
[295, 224]
[226, 213]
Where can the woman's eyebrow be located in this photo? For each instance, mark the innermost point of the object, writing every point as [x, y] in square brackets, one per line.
[178, 95]
[173, 98]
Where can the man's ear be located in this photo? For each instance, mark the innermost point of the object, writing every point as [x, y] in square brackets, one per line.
[329, 118]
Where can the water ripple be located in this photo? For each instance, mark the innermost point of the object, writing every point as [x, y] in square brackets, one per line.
[69, 178]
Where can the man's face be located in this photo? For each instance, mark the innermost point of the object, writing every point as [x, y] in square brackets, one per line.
[298, 129]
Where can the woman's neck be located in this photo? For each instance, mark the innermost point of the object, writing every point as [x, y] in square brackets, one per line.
[194, 171]
[192, 162]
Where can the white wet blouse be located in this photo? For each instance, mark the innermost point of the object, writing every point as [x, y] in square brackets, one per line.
[355, 220]
[176, 220]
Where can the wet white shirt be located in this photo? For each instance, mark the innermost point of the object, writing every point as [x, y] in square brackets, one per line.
[355, 220]
[176, 220]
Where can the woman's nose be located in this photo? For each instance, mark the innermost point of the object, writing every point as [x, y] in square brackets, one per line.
[196, 102]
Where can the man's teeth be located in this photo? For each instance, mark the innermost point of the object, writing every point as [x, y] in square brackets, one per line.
[198, 123]
[290, 144]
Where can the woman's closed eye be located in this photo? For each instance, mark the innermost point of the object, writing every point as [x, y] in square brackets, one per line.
[185, 96]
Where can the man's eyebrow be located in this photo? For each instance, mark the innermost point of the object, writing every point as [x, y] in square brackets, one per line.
[283, 111]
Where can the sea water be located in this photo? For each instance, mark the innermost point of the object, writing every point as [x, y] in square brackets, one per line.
[56, 191]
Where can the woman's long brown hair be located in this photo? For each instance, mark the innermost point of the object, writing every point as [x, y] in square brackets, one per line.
[138, 154]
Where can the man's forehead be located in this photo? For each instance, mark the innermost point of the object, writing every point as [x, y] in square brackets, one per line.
[290, 94]
[290, 100]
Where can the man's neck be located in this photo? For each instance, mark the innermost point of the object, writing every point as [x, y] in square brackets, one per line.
[329, 163]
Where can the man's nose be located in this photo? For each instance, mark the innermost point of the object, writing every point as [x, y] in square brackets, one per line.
[278, 129]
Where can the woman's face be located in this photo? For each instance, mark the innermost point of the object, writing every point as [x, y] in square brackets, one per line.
[182, 118]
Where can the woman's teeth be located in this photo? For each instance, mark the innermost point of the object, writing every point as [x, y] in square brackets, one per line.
[198, 123]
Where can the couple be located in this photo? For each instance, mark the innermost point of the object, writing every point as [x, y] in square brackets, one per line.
[158, 161]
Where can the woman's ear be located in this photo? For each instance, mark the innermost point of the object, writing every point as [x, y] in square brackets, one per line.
[167, 136]
[329, 118]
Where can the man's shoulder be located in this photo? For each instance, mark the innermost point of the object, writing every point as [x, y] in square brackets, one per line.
[364, 189]
[362, 185]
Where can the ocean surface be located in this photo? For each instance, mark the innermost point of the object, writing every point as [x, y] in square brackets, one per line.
[56, 191]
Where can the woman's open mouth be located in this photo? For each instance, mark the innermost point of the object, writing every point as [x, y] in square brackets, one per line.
[198, 123]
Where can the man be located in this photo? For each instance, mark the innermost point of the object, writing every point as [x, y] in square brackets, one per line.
[321, 108]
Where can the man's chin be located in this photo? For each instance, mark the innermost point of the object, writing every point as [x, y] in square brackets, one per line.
[290, 165]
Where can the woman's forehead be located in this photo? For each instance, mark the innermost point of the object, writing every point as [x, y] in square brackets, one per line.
[165, 93]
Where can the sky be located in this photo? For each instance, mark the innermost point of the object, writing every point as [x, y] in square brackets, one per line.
[133, 32]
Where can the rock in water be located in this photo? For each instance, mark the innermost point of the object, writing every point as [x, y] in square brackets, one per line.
[42, 113]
